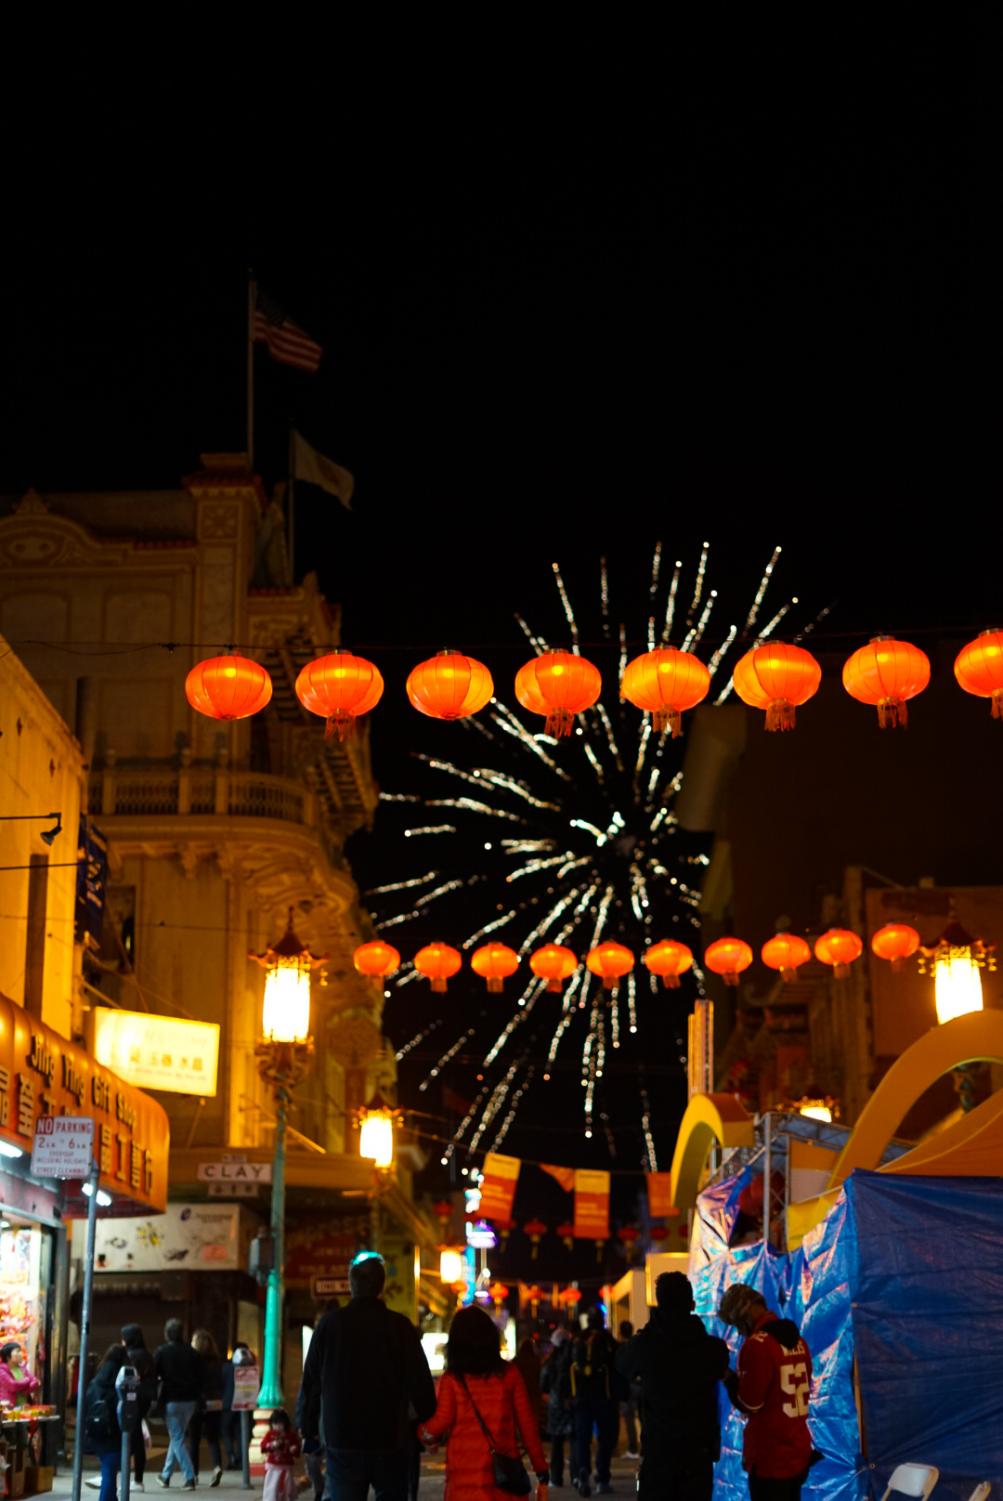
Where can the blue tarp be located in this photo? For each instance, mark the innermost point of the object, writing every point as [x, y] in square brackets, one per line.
[905, 1275]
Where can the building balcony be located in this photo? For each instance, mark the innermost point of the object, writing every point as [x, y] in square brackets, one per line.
[157, 792]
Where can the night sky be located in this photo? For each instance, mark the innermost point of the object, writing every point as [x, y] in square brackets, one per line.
[551, 332]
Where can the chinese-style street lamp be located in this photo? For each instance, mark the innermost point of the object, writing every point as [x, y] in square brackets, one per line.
[376, 1133]
[450, 1265]
[283, 1054]
[956, 962]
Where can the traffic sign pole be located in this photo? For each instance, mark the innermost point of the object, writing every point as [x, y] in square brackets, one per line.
[85, 1330]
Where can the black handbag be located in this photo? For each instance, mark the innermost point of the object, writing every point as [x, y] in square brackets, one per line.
[510, 1474]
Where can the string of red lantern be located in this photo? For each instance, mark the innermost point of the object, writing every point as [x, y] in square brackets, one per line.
[776, 676]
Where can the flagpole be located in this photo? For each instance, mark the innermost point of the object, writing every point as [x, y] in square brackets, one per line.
[251, 291]
[291, 493]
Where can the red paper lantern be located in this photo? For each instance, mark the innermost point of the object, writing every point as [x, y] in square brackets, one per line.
[438, 963]
[778, 678]
[896, 942]
[559, 685]
[228, 687]
[535, 1229]
[572, 1296]
[886, 673]
[567, 1233]
[728, 957]
[838, 947]
[665, 682]
[449, 686]
[668, 959]
[499, 1292]
[629, 1235]
[494, 962]
[659, 1232]
[610, 961]
[978, 667]
[339, 687]
[376, 959]
[785, 952]
[553, 963]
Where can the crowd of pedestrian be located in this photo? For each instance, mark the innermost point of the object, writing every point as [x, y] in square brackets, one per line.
[368, 1405]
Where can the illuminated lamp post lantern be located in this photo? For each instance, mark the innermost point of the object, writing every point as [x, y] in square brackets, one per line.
[438, 963]
[553, 963]
[495, 963]
[283, 1053]
[785, 952]
[228, 687]
[665, 682]
[838, 947]
[978, 668]
[668, 959]
[779, 678]
[451, 1265]
[567, 1234]
[727, 958]
[339, 688]
[449, 686]
[376, 960]
[956, 962]
[559, 685]
[896, 942]
[816, 1108]
[610, 961]
[377, 1121]
[536, 1230]
[886, 673]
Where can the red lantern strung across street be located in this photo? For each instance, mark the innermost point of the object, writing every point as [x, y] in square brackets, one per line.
[659, 1232]
[339, 687]
[499, 1292]
[377, 959]
[896, 942]
[629, 1235]
[665, 682]
[886, 673]
[728, 957]
[438, 963]
[567, 1234]
[978, 668]
[571, 1297]
[444, 1213]
[534, 1297]
[449, 686]
[494, 962]
[536, 1230]
[560, 685]
[553, 963]
[838, 947]
[779, 678]
[228, 687]
[610, 961]
[785, 952]
[668, 959]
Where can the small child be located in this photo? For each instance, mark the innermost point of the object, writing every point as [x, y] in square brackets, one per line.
[281, 1448]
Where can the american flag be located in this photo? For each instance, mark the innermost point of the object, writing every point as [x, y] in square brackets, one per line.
[286, 342]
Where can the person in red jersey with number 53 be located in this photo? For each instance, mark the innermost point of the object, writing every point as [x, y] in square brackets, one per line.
[772, 1387]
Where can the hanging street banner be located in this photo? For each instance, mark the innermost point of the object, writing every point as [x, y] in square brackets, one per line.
[501, 1174]
[565, 1176]
[63, 1147]
[591, 1204]
[660, 1196]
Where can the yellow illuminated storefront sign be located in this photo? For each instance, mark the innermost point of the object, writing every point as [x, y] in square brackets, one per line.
[158, 1052]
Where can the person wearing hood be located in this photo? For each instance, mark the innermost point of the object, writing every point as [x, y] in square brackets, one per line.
[555, 1382]
[772, 1386]
[678, 1366]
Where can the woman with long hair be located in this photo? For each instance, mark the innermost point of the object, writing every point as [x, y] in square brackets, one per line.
[101, 1433]
[482, 1406]
[208, 1414]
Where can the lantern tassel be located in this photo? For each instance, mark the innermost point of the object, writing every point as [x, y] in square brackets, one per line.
[671, 982]
[558, 723]
[780, 715]
[997, 709]
[438, 985]
[892, 712]
[840, 971]
[554, 986]
[730, 979]
[340, 724]
[495, 985]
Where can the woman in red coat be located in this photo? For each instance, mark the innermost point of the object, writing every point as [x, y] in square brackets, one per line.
[476, 1374]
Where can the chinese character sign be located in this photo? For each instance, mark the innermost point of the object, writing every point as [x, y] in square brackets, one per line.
[158, 1052]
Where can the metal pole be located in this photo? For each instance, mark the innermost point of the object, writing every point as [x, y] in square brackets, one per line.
[85, 1330]
[123, 1487]
[252, 297]
[245, 1448]
[271, 1363]
[767, 1193]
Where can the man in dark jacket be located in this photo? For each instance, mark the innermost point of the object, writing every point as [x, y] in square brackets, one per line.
[365, 1382]
[678, 1365]
[178, 1370]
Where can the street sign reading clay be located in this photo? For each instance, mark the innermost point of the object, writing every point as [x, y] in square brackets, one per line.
[234, 1172]
[63, 1146]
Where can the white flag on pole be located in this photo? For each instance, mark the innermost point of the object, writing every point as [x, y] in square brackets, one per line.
[315, 469]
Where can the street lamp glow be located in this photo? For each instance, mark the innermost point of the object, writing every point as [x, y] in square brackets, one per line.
[816, 1110]
[285, 1015]
[957, 983]
[376, 1137]
[450, 1266]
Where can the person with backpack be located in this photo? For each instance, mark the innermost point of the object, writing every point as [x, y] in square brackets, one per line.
[772, 1387]
[594, 1396]
[555, 1382]
[102, 1435]
[483, 1410]
[139, 1357]
[677, 1366]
